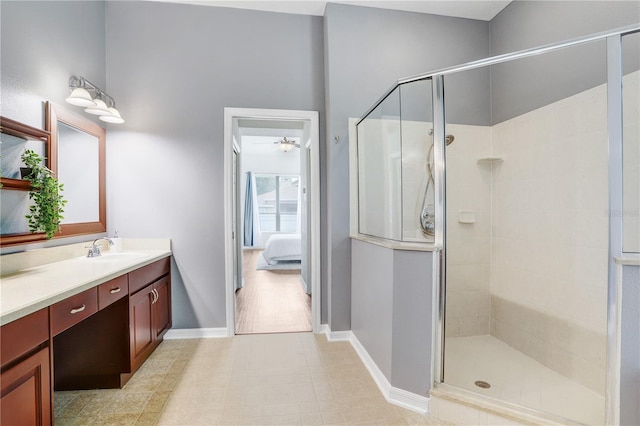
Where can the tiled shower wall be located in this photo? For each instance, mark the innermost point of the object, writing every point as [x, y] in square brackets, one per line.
[532, 269]
[550, 235]
[468, 311]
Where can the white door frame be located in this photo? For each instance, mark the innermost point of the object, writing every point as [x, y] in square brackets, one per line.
[314, 232]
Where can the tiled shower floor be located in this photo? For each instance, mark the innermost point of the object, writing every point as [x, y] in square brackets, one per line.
[516, 378]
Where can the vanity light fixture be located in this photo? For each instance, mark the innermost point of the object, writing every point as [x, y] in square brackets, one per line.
[99, 104]
[80, 97]
[114, 117]
[99, 109]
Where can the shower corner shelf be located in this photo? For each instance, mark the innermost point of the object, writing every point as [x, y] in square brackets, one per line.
[491, 159]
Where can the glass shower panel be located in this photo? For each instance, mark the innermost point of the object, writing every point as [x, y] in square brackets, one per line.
[527, 232]
[379, 171]
[631, 143]
[418, 211]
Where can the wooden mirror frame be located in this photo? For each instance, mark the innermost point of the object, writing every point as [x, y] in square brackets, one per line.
[55, 114]
[23, 131]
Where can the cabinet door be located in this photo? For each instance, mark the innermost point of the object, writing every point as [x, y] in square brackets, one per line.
[142, 336]
[26, 392]
[162, 307]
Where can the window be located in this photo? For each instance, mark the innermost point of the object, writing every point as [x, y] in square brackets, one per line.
[278, 202]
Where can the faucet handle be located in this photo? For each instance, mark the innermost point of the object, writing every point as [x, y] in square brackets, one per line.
[93, 251]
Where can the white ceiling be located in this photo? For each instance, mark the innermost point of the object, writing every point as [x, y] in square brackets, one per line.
[473, 9]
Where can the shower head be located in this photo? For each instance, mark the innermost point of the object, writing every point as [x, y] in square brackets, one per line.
[448, 139]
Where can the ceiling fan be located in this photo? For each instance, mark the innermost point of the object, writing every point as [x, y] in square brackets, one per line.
[287, 145]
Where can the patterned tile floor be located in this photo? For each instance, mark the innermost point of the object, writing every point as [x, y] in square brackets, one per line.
[269, 379]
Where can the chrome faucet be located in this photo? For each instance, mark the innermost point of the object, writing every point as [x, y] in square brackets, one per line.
[94, 250]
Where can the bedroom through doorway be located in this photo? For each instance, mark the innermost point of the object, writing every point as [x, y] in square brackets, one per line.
[271, 189]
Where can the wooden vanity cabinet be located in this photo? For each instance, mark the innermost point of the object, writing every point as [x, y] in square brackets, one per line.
[149, 309]
[105, 349]
[95, 339]
[25, 379]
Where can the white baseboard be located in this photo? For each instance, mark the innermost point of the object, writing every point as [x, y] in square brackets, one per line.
[409, 400]
[372, 367]
[324, 329]
[339, 336]
[195, 333]
[396, 396]
[304, 284]
[335, 336]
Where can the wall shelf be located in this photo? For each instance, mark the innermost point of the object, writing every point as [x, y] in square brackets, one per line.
[466, 216]
[19, 184]
[491, 159]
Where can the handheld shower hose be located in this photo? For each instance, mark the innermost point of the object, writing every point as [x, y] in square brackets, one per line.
[427, 215]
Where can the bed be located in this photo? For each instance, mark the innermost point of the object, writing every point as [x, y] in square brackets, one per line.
[283, 248]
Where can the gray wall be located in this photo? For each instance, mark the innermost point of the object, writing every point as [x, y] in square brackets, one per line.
[391, 312]
[522, 86]
[366, 51]
[43, 44]
[173, 68]
[372, 301]
[412, 321]
[630, 347]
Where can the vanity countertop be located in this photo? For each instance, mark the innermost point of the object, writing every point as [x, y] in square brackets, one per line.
[27, 290]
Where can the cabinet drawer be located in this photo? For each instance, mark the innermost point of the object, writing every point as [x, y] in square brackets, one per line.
[112, 290]
[140, 278]
[72, 310]
[22, 335]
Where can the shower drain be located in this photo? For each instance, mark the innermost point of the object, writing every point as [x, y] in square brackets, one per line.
[482, 384]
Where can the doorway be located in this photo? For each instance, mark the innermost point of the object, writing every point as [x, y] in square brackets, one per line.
[271, 207]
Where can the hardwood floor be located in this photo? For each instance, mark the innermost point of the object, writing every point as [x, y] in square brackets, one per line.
[271, 301]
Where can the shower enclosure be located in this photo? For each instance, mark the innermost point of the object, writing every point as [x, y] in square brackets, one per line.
[525, 178]
[395, 185]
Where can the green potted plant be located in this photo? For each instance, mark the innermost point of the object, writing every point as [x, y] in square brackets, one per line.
[46, 211]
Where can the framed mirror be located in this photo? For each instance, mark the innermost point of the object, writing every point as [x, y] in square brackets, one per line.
[15, 138]
[74, 148]
[79, 144]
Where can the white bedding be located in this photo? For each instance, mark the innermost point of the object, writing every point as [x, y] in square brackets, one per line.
[283, 247]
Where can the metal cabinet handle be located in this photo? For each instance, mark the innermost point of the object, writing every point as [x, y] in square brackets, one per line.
[155, 296]
[76, 310]
[115, 290]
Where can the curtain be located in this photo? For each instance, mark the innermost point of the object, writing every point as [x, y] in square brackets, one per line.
[252, 232]
[299, 208]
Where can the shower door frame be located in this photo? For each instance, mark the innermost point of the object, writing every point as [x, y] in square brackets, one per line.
[613, 41]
